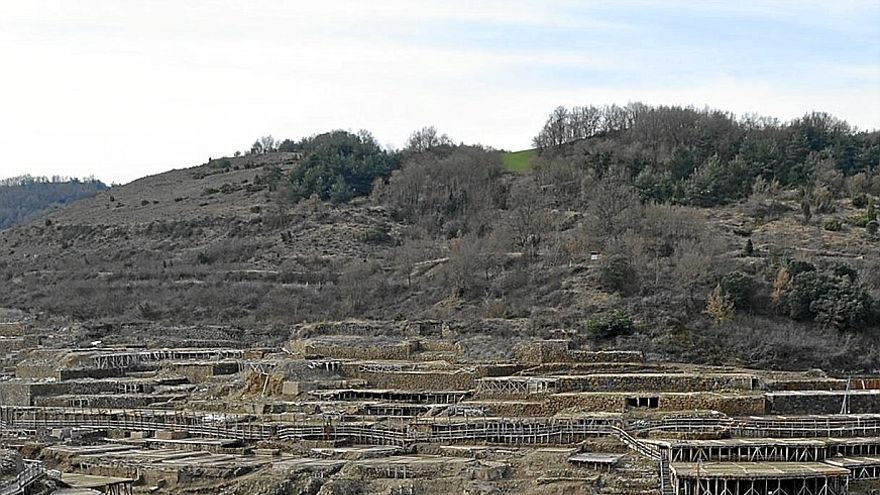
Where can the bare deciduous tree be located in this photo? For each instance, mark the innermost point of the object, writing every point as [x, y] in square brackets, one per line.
[427, 139]
[613, 207]
[529, 220]
[268, 143]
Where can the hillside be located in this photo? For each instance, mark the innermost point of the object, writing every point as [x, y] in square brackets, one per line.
[23, 198]
[231, 249]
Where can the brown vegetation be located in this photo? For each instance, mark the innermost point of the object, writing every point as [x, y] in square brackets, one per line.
[451, 236]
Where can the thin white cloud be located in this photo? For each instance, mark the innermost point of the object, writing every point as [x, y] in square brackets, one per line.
[123, 89]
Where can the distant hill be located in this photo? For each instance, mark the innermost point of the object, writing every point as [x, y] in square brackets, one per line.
[23, 198]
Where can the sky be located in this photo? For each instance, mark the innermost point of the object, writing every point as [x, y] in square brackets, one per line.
[120, 89]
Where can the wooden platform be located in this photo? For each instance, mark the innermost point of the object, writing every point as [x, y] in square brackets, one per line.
[757, 470]
[104, 484]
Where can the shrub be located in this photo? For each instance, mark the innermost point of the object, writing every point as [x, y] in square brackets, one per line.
[223, 163]
[616, 273]
[739, 287]
[823, 200]
[340, 166]
[780, 285]
[830, 299]
[843, 270]
[377, 235]
[149, 311]
[863, 219]
[610, 325]
[832, 225]
[797, 266]
[860, 200]
[859, 220]
[749, 248]
[806, 210]
[271, 176]
[719, 305]
[717, 182]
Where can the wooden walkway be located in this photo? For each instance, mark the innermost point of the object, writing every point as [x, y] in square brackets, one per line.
[32, 474]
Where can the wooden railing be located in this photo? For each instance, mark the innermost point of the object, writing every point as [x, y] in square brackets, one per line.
[32, 473]
[809, 426]
[666, 487]
[501, 430]
[805, 426]
[646, 449]
[682, 424]
[497, 430]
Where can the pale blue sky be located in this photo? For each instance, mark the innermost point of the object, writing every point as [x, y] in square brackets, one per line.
[125, 88]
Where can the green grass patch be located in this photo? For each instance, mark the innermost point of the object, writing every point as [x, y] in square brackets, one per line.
[518, 161]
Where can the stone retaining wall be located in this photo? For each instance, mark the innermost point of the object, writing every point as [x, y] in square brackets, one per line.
[559, 351]
[352, 349]
[823, 402]
[203, 371]
[654, 382]
[421, 380]
[733, 405]
[12, 330]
